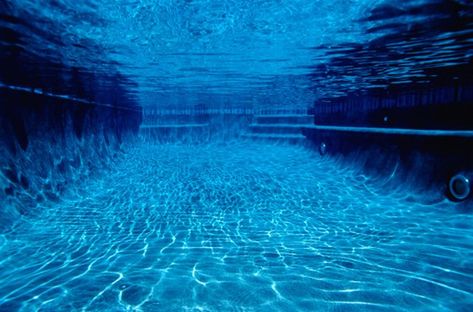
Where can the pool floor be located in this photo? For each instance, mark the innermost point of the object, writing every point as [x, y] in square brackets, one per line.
[237, 227]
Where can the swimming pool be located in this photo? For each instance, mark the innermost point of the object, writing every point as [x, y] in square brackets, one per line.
[251, 155]
[237, 226]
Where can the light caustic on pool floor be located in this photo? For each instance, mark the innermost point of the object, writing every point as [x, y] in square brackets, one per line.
[237, 227]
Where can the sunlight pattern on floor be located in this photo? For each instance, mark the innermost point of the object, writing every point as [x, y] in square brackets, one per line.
[237, 227]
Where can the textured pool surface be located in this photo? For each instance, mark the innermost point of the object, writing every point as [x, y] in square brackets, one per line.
[237, 227]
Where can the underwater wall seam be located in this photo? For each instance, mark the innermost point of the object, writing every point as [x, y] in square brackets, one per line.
[66, 98]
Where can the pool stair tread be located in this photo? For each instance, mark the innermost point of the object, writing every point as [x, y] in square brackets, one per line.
[280, 125]
[284, 119]
[283, 138]
[160, 126]
[276, 128]
[283, 127]
[274, 135]
[284, 115]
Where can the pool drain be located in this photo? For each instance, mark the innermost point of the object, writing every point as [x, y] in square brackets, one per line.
[459, 187]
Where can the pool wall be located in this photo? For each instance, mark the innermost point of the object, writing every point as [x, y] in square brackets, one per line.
[49, 142]
[443, 104]
[415, 135]
[419, 162]
[60, 120]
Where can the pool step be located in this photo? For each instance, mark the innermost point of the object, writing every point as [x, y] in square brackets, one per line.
[276, 128]
[174, 119]
[282, 128]
[285, 138]
[172, 132]
[173, 126]
[284, 119]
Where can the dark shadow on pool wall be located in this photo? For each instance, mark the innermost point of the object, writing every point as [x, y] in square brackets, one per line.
[414, 128]
[48, 142]
[419, 135]
[58, 123]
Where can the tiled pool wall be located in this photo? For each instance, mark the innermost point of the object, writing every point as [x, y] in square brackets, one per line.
[58, 124]
[443, 105]
[48, 143]
[393, 133]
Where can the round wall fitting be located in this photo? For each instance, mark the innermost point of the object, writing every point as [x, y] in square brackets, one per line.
[323, 148]
[459, 187]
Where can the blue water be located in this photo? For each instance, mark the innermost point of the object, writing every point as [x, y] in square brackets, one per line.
[93, 219]
[236, 227]
[262, 53]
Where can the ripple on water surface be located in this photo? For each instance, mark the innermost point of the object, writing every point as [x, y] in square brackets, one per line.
[237, 227]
